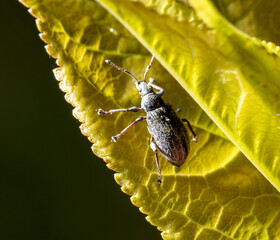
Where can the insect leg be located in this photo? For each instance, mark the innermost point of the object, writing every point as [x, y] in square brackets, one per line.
[160, 89]
[139, 119]
[154, 148]
[132, 109]
[190, 127]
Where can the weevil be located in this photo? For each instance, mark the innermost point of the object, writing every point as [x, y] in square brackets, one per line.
[168, 132]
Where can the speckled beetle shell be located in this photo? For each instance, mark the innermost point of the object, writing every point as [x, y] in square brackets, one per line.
[166, 128]
[169, 134]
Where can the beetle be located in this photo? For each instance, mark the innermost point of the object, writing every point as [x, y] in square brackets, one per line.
[168, 132]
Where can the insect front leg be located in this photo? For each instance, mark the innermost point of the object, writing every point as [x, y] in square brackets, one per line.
[132, 109]
[194, 139]
[139, 119]
[154, 148]
[160, 89]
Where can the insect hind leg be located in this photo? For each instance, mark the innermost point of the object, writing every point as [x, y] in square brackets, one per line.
[154, 148]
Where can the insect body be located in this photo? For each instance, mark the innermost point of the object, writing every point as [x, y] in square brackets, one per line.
[168, 133]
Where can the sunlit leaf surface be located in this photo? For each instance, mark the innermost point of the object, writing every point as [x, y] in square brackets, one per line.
[220, 72]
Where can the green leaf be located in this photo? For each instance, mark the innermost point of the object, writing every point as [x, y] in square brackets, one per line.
[259, 19]
[226, 85]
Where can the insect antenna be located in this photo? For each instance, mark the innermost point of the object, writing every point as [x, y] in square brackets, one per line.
[148, 67]
[121, 69]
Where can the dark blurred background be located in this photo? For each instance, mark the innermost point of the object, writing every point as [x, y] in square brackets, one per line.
[51, 184]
